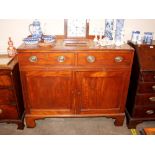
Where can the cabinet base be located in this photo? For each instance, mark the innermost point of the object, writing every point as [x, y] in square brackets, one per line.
[133, 122]
[30, 119]
[19, 122]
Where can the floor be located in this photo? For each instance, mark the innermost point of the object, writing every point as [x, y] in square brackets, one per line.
[72, 126]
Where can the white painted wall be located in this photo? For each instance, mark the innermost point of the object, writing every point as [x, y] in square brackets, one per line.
[18, 29]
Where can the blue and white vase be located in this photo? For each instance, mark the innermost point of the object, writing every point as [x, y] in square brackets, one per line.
[119, 34]
[109, 25]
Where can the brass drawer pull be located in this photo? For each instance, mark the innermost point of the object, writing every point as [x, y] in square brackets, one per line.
[119, 59]
[1, 111]
[149, 112]
[90, 59]
[61, 58]
[152, 99]
[33, 58]
[153, 87]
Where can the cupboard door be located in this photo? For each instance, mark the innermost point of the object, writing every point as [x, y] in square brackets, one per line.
[48, 92]
[101, 92]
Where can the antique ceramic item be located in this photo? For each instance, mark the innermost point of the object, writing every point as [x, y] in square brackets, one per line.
[109, 23]
[31, 40]
[135, 36]
[48, 38]
[119, 33]
[35, 29]
[148, 37]
[11, 49]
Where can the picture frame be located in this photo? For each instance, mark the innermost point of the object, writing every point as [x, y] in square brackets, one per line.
[76, 28]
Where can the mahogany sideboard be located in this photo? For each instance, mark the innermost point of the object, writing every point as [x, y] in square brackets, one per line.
[75, 81]
[141, 96]
[11, 100]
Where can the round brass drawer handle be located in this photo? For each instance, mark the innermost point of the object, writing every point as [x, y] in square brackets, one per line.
[149, 112]
[152, 99]
[1, 111]
[153, 87]
[33, 58]
[119, 59]
[91, 59]
[61, 58]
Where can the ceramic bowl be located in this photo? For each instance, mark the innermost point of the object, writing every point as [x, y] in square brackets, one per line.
[31, 40]
[48, 38]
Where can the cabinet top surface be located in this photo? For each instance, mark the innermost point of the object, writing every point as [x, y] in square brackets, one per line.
[61, 46]
[146, 56]
[7, 62]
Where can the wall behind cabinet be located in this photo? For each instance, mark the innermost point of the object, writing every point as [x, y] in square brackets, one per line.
[18, 29]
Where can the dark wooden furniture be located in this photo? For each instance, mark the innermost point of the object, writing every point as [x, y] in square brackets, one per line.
[11, 101]
[141, 96]
[75, 81]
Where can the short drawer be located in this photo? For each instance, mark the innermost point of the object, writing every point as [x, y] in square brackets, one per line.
[8, 112]
[146, 87]
[32, 59]
[55, 59]
[145, 99]
[61, 59]
[144, 112]
[148, 76]
[7, 96]
[5, 80]
[113, 59]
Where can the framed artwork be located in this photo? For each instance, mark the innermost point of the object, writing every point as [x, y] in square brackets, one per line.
[76, 28]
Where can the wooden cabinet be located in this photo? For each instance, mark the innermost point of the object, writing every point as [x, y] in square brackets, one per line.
[74, 81]
[11, 101]
[141, 96]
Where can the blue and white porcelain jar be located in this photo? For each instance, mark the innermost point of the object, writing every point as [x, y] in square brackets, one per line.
[135, 36]
[148, 37]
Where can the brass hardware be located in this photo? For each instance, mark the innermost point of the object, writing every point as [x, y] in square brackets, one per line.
[153, 87]
[1, 111]
[33, 58]
[152, 99]
[61, 58]
[90, 59]
[119, 59]
[149, 112]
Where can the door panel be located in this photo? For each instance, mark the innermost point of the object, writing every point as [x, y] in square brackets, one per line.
[50, 90]
[100, 92]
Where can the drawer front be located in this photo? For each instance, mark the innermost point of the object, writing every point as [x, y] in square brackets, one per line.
[146, 87]
[148, 76]
[8, 112]
[5, 80]
[55, 59]
[32, 59]
[144, 112]
[7, 96]
[145, 99]
[61, 59]
[115, 59]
